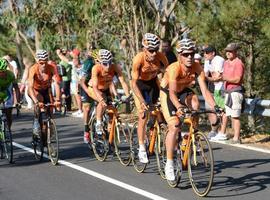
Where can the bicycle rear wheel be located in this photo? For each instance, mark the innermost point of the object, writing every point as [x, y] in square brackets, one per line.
[53, 143]
[134, 143]
[201, 165]
[7, 144]
[160, 150]
[100, 144]
[122, 143]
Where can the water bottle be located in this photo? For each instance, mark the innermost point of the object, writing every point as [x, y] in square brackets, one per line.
[36, 127]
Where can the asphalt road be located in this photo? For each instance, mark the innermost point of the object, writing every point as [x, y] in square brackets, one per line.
[239, 173]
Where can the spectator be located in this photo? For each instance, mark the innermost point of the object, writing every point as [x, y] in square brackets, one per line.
[198, 58]
[233, 76]
[15, 70]
[213, 68]
[66, 78]
[167, 50]
[24, 83]
[76, 68]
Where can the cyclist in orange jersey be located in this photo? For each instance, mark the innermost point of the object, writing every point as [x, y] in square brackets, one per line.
[40, 78]
[146, 67]
[101, 82]
[176, 94]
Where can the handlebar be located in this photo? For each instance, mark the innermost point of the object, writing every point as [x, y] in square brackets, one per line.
[191, 113]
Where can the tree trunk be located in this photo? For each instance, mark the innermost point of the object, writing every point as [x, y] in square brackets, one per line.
[14, 11]
[249, 71]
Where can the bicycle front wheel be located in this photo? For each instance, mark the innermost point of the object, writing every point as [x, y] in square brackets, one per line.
[122, 143]
[160, 150]
[201, 165]
[7, 144]
[134, 144]
[100, 143]
[53, 143]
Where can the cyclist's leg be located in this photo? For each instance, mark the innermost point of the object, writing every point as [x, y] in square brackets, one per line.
[86, 105]
[173, 126]
[143, 117]
[192, 101]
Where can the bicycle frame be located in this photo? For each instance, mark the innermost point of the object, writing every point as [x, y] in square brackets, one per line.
[113, 115]
[190, 137]
[154, 131]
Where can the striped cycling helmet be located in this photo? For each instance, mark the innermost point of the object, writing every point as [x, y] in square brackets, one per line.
[185, 45]
[42, 55]
[3, 64]
[104, 56]
[150, 41]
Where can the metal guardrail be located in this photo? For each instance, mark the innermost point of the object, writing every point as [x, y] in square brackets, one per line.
[255, 106]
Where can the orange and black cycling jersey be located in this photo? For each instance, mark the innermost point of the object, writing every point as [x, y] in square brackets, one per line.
[175, 73]
[104, 76]
[42, 82]
[148, 70]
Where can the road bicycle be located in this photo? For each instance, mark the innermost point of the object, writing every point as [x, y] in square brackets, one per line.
[156, 129]
[6, 145]
[115, 135]
[193, 152]
[48, 136]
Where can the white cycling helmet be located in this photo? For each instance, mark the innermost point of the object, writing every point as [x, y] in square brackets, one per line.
[150, 41]
[42, 55]
[104, 56]
[185, 45]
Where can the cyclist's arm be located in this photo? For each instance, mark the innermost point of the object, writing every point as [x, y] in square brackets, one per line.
[122, 80]
[173, 89]
[31, 87]
[95, 85]
[205, 92]
[135, 78]
[82, 83]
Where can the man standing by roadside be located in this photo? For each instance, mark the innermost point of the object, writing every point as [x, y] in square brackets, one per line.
[213, 68]
[167, 50]
[233, 76]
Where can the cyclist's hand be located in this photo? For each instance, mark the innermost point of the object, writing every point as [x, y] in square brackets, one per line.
[180, 111]
[144, 106]
[18, 105]
[57, 105]
[40, 104]
[124, 98]
[103, 103]
[219, 111]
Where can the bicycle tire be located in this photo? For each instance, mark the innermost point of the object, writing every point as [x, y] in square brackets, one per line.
[134, 144]
[53, 142]
[122, 143]
[160, 150]
[100, 145]
[38, 145]
[201, 165]
[7, 143]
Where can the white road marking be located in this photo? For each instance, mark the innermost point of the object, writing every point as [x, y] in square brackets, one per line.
[244, 146]
[100, 176]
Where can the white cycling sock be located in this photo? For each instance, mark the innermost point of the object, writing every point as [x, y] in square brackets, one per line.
[98, 122]
[142, 147]
[169, 162]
